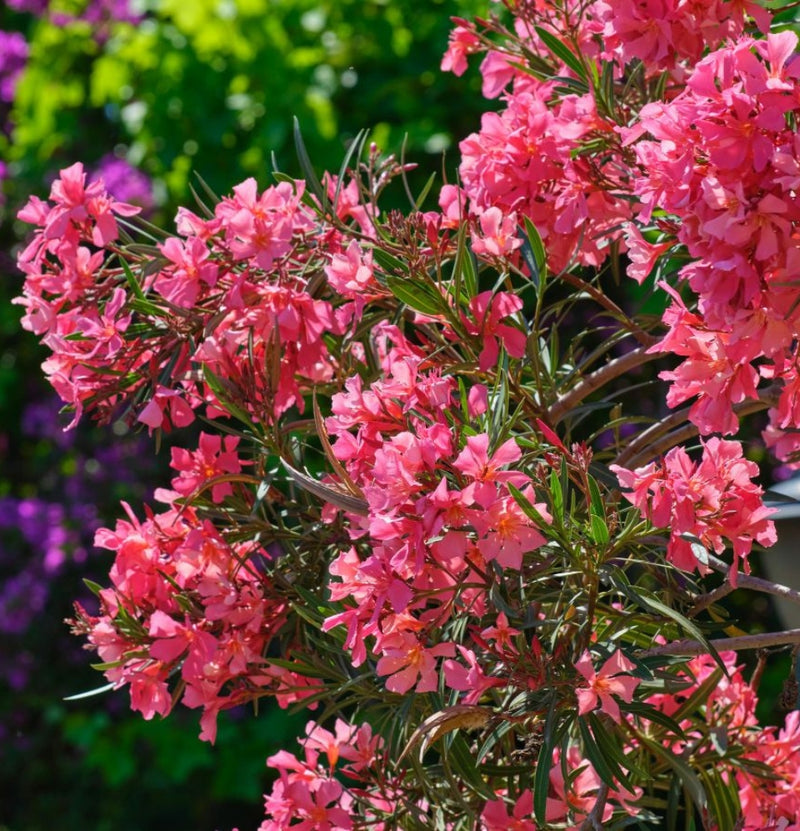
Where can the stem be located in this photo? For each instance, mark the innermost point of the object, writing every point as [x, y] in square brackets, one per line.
[691, 647]
[706, 600]
[645, 338]
[746, 581]
[644, 447]
[589, 383]
[593, 821]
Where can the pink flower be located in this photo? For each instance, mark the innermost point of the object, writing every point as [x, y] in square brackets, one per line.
[470, 679]
[350, 274]
[149, 692]
[495, 816]
[181, 284]
[713, 500]
[463, 42]
[324, 807]
[605, 686]
[210, 460]
[487, 310]
[500, 235]
[507, 532]
[474, 461]
[410, 664]
[166, 408]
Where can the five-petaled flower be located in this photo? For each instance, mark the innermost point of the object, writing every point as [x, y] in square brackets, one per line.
[612, 681]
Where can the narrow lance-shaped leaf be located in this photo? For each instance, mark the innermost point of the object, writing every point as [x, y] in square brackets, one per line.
[415, 294]
[562, 52]
[308, 169]
[533, 252]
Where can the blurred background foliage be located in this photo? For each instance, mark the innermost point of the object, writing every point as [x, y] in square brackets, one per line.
[146, 93]
[212, 86]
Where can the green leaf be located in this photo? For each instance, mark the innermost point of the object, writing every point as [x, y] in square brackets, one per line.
[145, 307]
[355, 149]
[557, 497]
[415, 294]
[562, 52]
[533, 253]
[470, 271]
[462, 762]
[527, 508]
[653, 604]
[94, 588]
[217, 386]
[308, 169]
[607, 770]
[132, 281]
[544, 763]
[89, 693]
[208, 190]
[388, 262]
[613, 752]
[599, 530]
[647, 711]
[598, 508]
[687, 776]
[426, 188]
[723, 799]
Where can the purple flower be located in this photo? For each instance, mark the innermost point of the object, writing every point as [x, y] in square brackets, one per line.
[22, 597]
[32, 6]
[124, 182]
[99, 13]
[102, 11]
[41, 419]
[13, 55]
[96, 11]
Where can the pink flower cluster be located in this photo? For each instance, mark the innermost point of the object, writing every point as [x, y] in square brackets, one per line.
[670, 35]
[462, 561]
[707, 502]
[309, 793]
[765, 803]
[213, 292]
[186, 604]
[572, 795]
[436, 516]
[550, 154]
[526, 161]
[723, 159]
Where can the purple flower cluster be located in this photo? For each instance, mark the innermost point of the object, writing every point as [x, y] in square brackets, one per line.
[96, 12]
[105, 11]
[31, 556]
[13, 56]
[124, 182]
[32, 6]
[43, 535]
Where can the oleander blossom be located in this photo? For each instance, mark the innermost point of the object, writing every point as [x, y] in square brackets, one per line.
[722, 158]
[613, 680]
[703, 504]
[197, 613]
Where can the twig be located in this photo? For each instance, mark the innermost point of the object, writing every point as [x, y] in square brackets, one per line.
[645, 338]
[645, 446]
[593, 821]
[589, 383]
[706, 600]
[742, 642]
[746, 581]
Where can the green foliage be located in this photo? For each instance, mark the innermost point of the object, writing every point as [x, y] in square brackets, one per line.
[213, 87]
